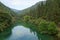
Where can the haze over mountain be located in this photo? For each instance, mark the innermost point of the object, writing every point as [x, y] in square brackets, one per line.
[19, 4]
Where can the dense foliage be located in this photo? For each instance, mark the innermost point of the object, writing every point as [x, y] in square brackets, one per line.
[42, 25]
[7, 17]
[45, 15]
[48, 10]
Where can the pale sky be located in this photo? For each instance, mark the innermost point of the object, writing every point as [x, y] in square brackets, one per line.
[19, 4]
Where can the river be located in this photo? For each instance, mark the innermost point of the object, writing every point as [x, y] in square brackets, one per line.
[21, 32]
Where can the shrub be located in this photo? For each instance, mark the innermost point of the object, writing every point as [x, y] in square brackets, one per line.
[47, 27]
[43, 26]
[52, 28]
[26, 18]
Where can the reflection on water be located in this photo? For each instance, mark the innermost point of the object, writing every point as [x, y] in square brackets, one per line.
[22, 33]
[5, 34]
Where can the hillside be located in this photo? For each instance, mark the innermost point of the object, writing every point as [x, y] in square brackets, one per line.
[48, 10]
[7, 17]
[45, 15]
[43, 18]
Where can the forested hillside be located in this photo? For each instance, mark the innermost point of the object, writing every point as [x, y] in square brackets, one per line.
[45, 15]
[48, 10]
[7, 17]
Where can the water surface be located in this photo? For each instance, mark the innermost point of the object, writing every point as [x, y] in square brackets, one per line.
[22, 33]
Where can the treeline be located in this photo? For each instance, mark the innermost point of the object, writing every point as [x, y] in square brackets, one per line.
[7, 17]
[48, 10]
[45, 15]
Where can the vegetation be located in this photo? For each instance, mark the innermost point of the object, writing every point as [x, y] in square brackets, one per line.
[48, 10]
[43, 26]
[44, 15]
[47, 27]
[7, 17]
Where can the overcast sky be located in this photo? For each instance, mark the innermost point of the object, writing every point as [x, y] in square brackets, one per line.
[19, 4]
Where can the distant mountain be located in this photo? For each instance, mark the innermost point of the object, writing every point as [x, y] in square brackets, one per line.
[16, 11]
[32, 8]
[4, 8]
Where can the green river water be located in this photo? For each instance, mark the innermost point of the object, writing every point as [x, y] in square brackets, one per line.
[21, 32]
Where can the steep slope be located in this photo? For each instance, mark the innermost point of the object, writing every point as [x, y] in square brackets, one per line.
[7, 17]
[5, 9]
[48, 10]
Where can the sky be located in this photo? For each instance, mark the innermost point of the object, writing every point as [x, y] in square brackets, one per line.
[19, 4]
